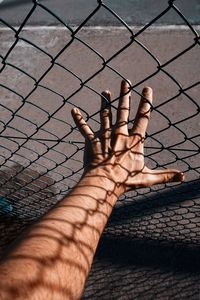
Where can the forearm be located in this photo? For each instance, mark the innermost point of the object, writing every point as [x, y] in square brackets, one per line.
[54, 257]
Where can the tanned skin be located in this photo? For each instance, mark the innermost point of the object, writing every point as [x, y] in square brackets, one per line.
[53, 258]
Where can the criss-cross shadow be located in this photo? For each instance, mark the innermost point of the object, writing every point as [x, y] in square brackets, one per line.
[140, 261]
[127, 268]
[186, 195]
[30, 195]
[130, 264]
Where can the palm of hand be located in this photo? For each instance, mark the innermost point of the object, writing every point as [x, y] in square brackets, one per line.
[118, 151]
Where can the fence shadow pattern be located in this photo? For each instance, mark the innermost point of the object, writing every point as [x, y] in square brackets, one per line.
[150, 248]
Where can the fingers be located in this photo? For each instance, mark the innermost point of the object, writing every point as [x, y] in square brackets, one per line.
[163, 176]
[105, 114]
[143, 113]
[85, 130]
[123, 108]
[106, 121]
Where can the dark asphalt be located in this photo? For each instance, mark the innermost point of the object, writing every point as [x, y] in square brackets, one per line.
[134, 12]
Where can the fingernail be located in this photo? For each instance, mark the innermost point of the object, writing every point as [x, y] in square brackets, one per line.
[179, 177]
[126, 82]
[182, 177]
[106, 94]
[147, 90]
[75, 110]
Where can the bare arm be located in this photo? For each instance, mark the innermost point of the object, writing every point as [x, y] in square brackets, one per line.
[53, 258]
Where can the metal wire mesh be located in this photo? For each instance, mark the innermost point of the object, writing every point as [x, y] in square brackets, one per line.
[150, 247]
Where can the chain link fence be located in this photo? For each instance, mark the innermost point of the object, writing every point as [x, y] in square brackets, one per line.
[150, 247]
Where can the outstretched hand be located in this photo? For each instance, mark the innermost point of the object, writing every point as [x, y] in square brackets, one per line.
[118, 153]
[52, 259]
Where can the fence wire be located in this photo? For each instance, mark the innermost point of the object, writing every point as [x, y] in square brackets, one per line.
[150, 247]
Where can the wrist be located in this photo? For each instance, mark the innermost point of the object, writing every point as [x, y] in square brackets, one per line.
[102, 177]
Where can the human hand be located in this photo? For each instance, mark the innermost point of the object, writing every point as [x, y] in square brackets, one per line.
[118, 153]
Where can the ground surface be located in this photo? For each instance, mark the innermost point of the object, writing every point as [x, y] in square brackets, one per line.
[133, 12]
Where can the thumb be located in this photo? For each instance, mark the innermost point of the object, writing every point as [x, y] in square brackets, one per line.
[164, 176]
